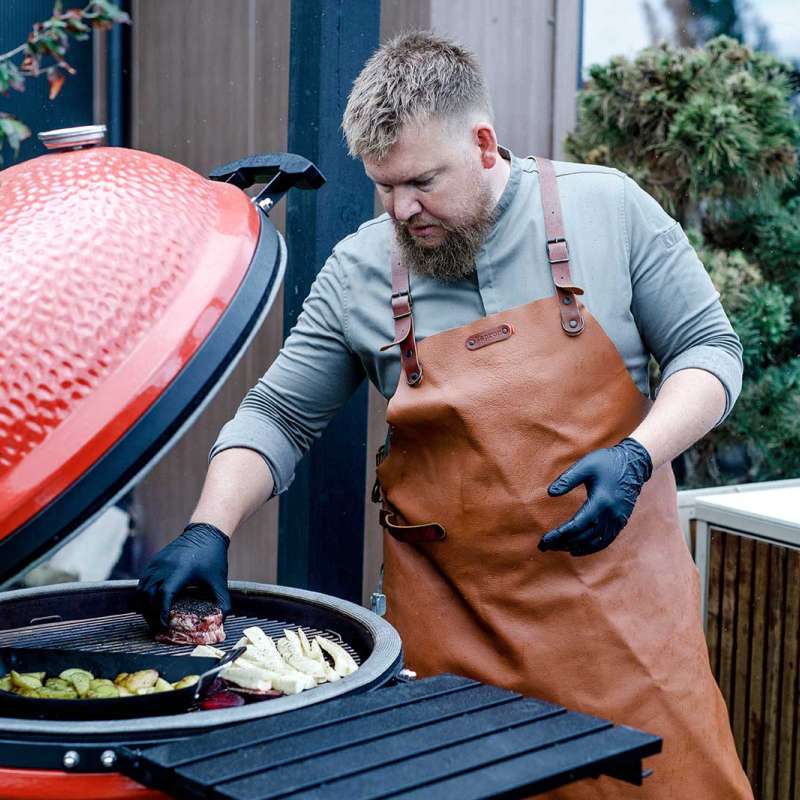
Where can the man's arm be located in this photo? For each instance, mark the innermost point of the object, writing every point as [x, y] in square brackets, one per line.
[313, 376]
[237, 484]
[680, 320]
[689, 404]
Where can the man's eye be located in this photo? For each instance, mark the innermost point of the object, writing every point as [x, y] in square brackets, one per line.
[423, 184]
[384, 187]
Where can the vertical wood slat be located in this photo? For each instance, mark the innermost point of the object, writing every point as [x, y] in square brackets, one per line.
[789, 698]
[728, 618]
[755, 722]
[744, 607]
[777, 563]
[754, 642]
[716, 552]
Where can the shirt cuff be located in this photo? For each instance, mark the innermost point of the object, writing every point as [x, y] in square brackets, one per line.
[720, 363]
[265, 439]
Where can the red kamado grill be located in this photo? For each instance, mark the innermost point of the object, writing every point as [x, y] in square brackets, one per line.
[129, 287]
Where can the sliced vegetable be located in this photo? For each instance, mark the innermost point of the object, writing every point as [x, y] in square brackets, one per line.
[292, 652]
[26, 680]
[103, 691]
[59, 684]
[186, 682]
[221, 700]
[343, 662]
[143, 679]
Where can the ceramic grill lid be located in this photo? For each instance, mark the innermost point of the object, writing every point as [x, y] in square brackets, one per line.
[129, 284]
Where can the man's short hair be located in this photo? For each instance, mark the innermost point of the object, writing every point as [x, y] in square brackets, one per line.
[413, 77]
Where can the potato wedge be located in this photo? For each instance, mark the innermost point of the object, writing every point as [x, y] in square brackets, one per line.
[49, 693]
[82, 681]
[5, 684]
[186, 681]
[163, 686]
[143, 679]
[59, 685]
[103, 691]
[68, 674]
[25, 680]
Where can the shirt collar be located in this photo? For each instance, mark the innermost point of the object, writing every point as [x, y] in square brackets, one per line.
[512, 184]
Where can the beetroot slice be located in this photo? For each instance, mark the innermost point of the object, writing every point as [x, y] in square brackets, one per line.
[221, 700]
[252, 695]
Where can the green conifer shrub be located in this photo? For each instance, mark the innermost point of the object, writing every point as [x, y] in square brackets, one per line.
[711, 134]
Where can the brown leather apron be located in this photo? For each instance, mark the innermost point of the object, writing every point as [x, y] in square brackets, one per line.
[488, 415]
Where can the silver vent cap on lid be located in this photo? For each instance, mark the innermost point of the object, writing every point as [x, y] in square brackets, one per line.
[73, 138]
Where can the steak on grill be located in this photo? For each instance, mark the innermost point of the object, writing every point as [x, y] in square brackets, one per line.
[193, 622]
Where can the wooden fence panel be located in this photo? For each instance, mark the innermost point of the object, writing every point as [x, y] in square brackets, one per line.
[753, 634]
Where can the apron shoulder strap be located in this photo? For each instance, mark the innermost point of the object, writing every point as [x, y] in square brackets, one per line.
[404, 321]
[558, 251]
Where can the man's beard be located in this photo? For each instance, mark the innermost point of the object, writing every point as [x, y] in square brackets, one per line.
[455, 257]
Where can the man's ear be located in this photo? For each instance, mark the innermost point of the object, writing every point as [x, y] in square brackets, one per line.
[486, 140]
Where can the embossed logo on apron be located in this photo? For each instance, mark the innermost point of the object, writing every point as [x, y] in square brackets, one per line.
[483, 338]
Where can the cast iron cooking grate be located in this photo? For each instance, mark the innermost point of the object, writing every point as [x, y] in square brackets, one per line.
[128, 633]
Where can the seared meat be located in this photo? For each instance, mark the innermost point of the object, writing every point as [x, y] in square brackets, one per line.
[193, 622]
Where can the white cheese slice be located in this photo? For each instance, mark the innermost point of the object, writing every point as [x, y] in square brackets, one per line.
[248, 677]
[293, 655]
[207, 651]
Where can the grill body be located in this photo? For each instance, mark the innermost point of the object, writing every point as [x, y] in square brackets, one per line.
[98, 617]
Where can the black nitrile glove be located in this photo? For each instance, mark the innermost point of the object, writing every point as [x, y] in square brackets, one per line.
[198, 557]
[613, 477]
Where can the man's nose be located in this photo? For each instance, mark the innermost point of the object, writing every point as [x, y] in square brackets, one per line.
[405, 204]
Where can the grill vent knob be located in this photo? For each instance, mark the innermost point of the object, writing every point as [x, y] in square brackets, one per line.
[108, 758]
[73, 138]
[71, 759]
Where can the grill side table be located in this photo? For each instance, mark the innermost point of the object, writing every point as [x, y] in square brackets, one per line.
[436, 738]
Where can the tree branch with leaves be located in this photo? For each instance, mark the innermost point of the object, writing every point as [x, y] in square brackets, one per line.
[44, 53]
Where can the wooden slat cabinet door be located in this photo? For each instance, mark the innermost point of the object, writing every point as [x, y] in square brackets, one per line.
[753, 633]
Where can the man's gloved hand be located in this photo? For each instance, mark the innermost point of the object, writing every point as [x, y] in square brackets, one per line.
[613, 477]
[198, 557]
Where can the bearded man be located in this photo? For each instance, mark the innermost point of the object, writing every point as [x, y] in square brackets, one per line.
[529, 506]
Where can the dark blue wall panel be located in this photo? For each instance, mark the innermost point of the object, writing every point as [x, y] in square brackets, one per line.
[322, 516]
[73, 106]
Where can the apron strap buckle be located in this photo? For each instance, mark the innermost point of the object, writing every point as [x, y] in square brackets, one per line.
[572, 321]
[404, 322]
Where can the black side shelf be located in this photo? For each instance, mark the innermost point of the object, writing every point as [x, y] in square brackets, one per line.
[438, 738]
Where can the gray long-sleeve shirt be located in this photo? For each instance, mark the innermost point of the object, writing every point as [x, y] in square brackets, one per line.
[643, 283]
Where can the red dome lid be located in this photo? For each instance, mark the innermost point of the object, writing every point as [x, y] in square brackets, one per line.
[115, 267]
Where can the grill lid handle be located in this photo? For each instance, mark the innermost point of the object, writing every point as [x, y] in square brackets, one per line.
[279, 171]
